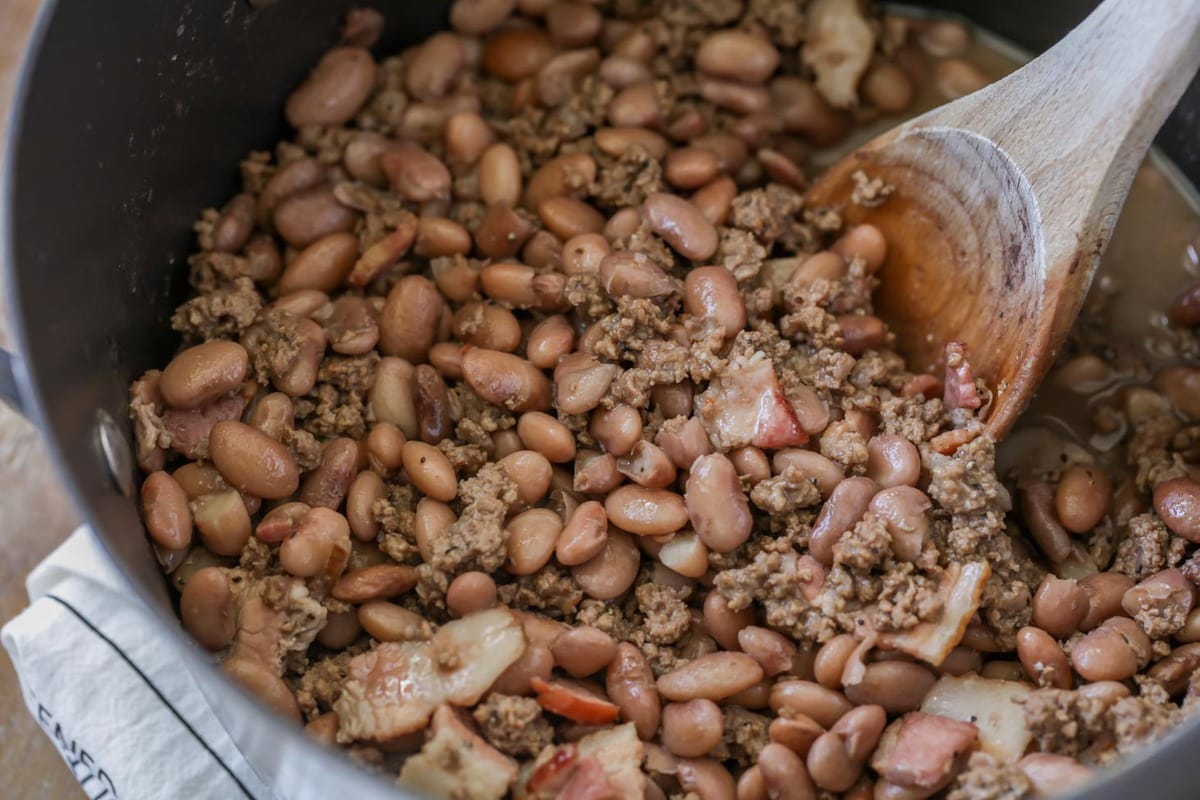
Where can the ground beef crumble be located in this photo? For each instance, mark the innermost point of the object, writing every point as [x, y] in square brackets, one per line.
[513, 725]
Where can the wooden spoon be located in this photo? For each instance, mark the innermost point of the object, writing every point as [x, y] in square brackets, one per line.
[1005, 199]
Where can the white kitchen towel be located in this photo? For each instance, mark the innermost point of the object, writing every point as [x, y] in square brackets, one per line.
[126, 715]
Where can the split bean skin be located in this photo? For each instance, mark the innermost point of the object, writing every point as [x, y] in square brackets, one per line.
[525, 345]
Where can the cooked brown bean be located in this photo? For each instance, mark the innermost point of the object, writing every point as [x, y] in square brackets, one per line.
[560, 77]
[234, 225]
[1174, 673]
[684, 443]
[488, 326]
[222, 521]
[415, 174]
[545, 434]
[532, 473]
[340, 631]
[573, 24]
[253, 462]
[506, 380]
[646, 512]
[861, 332]
[584, 254]
[206, 608]
[693, 728]
[470, 592]
[681, 225]
[263, 684]
[1104, 591]
[712, 292]
[823, 705]
[1059, 606]
[549, 341]
[374, 583]
[784, 774]
[439, 236]
[1044, 661]
[716, 505]
[328, 484]
[430, 522]
[1180, 384]
[543, 251]
[1083, 496]
[431, 399]
[304, 217]
[203, 373]
[583, 651]
[392, 397]
[1107, 692]
[430, 471]
[898, 686]
[841, 512]
[509, 283]
[616, 141]
[723, 623]
[595, 473]
[738, 56]
[629, 684]
[264, 260]
[893, 461]
[323, 265]
[1037, 508]
[320, 546]
[384, 446]
[571, 174]
[580, 382]
[1116, 650]
[514, 54]
[409, 320]
[1052, 774]
[567, 217]
[825, 474]
[165, 511]
[751, 462]
[634, 274]
[365, 491]
[750, 785]
[531, 537]
[434, 66]
[904, 509]
[684, 554]
[351, 328]
[691, 167]
[612, 572]
[713, 676]
[647, 465]
[888, 87]
[621, 72]
[635, 106]
[1190, 632]
[584, 535]
[1166, 594]
[295, 177]
[467, 137]
[281, 522]
[715, 200]
[772, 650]
[500, 175]
[831, 660]
[389, 622]
[1177, 502]
[335, 90]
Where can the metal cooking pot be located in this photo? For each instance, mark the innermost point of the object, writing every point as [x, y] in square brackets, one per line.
[130, 118]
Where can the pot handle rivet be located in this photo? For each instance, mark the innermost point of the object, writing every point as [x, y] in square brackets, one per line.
[114, 449]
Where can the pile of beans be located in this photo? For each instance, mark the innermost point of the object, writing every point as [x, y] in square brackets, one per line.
[417, 303]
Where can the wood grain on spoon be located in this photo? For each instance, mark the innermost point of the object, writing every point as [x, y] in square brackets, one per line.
[1004, 200]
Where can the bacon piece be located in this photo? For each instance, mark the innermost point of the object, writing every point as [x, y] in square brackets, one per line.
[923, 750]
[960, 390]
[456, 762]
[744, 405]
[960, 589]
[991, 705]
[588, 781]
[574, 700]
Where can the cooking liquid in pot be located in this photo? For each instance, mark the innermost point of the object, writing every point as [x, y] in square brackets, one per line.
[787, 735]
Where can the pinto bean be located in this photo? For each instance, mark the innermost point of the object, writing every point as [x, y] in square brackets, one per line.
[898, 686]
[304, 217]
[646, 512]
[431, 399]
[823, 705]
[549, 341]
[506, 380]
[841, 512]
[1177, 502]
[514, 54]
[374, 583]
[785, 775]
[584, 651]
[737, 56]
[716, 505]
[253, 462]
[609, 574]
[693, 728]
[831, 660]
[712, 292]
[893, 461]
[647, 465]
[203, 373]
[530, 471]
[1059, 606]
[584, 535]
[531, 536]
[772, 650]
[165, 511]
[714, 676]
[319, 547]
[409, 320]
[1037, 507]
[392, 398]
[1116, 650]
[430, 471]
[470, 592]
[365, 491]
[580, 382]
[1082, 498]
[1104, 591]
[904, 510]
[559, 78]
[1044, 661]
[335, 90]
[629, 683]
[681, 225]
[268, 687]
[571, 175]
[206, 607]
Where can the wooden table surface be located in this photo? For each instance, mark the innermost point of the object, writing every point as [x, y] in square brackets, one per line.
[35, 514]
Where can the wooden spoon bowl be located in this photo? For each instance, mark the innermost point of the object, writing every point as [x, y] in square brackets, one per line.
[1004, 200]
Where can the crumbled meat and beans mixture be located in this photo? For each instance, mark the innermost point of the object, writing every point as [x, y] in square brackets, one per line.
[532, 438]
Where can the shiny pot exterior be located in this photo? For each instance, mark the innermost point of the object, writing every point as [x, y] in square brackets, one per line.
[130, 120]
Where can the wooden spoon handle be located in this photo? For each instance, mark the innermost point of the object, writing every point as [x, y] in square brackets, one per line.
[1078, 120]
